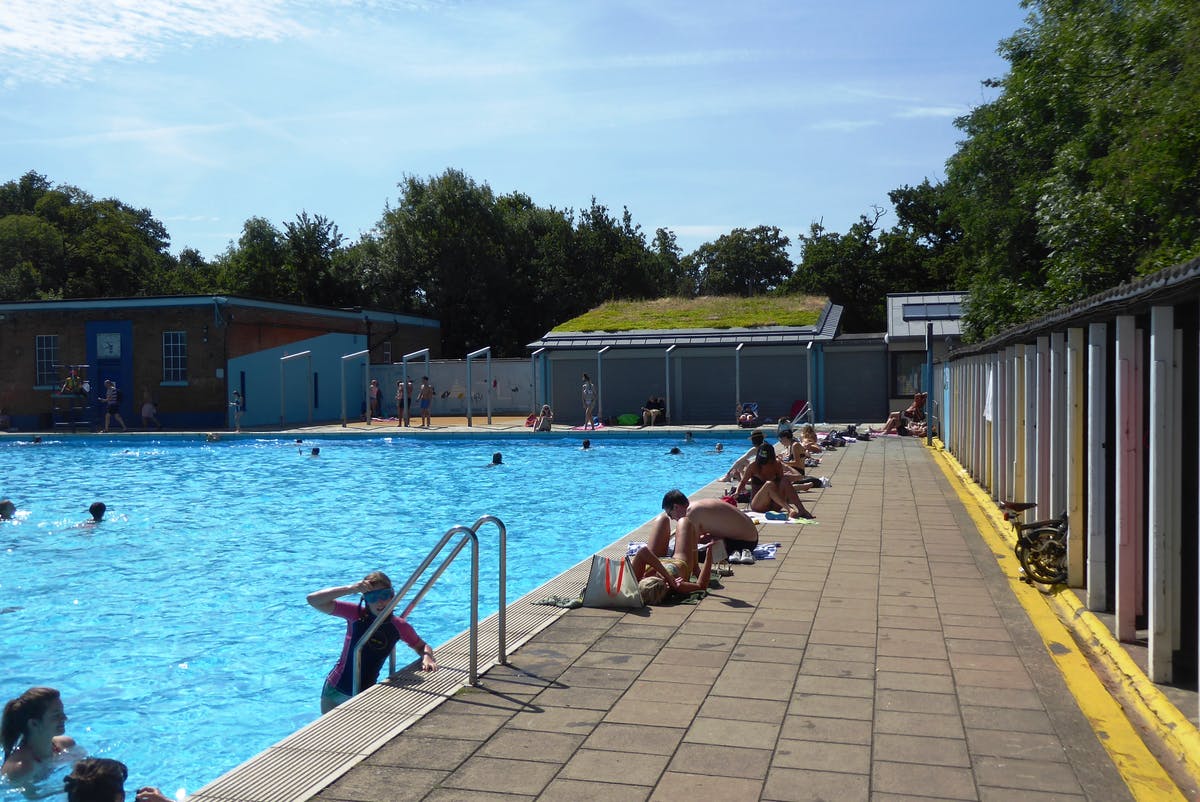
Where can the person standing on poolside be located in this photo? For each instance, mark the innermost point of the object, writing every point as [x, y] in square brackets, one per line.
[589, 400]
[237, 404]
[424, 399]
[699, 522]
[374, 401]
[376, 590]
[112, 405]
[32, 729]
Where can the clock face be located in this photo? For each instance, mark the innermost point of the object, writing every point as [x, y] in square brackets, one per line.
[108, 345]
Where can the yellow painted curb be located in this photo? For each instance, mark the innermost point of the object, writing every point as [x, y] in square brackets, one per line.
[1145, 777]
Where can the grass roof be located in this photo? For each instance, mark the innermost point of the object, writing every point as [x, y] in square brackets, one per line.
[705, 312]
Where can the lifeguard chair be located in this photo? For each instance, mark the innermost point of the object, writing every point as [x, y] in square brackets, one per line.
[70, 404]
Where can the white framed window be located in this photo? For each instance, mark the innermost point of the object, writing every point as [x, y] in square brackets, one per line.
[175, 357]
[46, 356]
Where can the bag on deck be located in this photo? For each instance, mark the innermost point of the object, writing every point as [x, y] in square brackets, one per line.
[611, 584]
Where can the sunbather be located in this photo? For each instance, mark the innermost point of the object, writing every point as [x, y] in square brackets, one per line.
[703, 521]
[659, 579]
[772, 492]
[793, 459]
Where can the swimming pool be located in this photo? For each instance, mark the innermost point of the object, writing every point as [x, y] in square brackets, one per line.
[177, 629]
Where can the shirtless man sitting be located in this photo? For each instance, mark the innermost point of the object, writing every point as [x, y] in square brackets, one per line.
[699, 522]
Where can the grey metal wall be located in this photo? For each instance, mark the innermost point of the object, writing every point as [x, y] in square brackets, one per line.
[703, 384]
[855, 384]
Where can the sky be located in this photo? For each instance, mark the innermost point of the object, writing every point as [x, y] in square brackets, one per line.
[699, 116]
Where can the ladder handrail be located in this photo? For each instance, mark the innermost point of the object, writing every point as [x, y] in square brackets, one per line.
[467, 532]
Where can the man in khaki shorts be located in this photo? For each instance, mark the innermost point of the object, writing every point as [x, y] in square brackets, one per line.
[699, 522]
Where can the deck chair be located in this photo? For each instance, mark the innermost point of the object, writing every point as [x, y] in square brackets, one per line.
[748, 416]
[801, 409]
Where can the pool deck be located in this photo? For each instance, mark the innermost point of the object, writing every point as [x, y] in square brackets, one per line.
[888, 653]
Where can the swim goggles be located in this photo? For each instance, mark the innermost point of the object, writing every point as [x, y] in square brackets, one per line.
[381, 594]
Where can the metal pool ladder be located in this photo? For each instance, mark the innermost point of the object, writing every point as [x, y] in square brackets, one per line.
[467, 534]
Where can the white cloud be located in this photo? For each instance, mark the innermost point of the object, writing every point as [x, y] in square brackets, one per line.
[919, 112]
[53, 42]
[842, 125]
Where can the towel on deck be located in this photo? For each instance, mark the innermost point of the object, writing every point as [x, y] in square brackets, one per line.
[763, 551]
[761, 518]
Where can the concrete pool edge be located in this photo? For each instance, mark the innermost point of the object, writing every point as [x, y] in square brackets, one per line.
[302, 764]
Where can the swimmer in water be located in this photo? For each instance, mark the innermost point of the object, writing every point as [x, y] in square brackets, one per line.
[97, 509]
[101, 779]
[7, 509]
[32, 730]
[497, 459]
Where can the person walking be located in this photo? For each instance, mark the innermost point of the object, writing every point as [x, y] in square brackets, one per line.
[112, 405]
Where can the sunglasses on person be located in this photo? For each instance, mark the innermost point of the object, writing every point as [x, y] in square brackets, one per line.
[381, 594]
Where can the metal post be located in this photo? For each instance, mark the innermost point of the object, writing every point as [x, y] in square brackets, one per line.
[667, 360]
[355, 355]
[599, 384]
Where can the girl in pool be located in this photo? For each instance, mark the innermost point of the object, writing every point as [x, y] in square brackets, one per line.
[32, 731]
[376, 590]
[100, 779]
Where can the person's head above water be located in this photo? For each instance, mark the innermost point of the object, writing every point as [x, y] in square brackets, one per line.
[7, 509]
[316, 452]
[96, 779]
[35, 714]
[97, 510]
[674, 450]
[497, 458]
[587, 444]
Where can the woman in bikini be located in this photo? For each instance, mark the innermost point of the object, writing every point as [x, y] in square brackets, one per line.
[660, 579]
[771, 492]
[32, 731]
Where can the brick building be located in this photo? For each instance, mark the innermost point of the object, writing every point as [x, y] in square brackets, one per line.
[189, 353]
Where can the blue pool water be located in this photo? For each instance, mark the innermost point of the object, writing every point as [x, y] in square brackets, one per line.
[177, 628]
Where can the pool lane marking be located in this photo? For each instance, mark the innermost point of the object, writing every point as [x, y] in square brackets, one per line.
[1143, 774]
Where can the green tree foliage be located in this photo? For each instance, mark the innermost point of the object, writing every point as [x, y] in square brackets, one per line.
[743, 262]
[60, 242]
[849, 269]
[1084, 171]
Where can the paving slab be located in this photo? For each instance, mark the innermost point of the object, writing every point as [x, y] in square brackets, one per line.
[881, 656]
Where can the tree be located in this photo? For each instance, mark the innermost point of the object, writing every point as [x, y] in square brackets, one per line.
[255, 265]
[28, 246]
[1084, 171]
[744, 262]
[311, 245]
[848, 269]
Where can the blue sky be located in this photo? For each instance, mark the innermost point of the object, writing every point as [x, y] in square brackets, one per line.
[700, 116]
